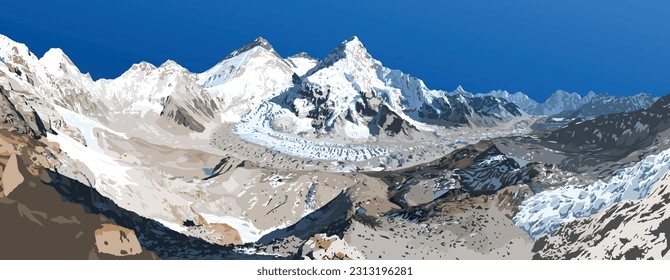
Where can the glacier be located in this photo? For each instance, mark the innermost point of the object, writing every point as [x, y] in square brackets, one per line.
[256, 128]
[546, 211]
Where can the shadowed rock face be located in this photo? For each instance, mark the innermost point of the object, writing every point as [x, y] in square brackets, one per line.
[390, 123]
[18, 121]
[478, 169]
[370, 110]
[184, 113]
[322, 220]
[492, 171]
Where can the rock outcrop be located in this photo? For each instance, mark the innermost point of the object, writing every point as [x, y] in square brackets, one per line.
[117, 241]
[323, 247]
[12, 176]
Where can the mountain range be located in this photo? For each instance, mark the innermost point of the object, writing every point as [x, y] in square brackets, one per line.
[263, 156]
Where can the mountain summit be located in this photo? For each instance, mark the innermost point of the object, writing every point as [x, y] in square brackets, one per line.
[258, 42]
[247, 76]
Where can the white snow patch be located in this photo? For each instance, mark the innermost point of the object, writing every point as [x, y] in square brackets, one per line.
[173, 226]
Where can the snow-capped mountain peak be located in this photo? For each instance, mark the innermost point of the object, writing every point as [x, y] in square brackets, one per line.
[351, 49]
[258, 42]
[246, 77]
[590, 96]
[558, 102]
[138, 70]
[518, 98]
[61, 67]
[73, 90]
[56, 62]
[348, 70]
[171, 64]
[350, 87]
[561, 96]
[169, 92]
[25, 64]
[459, 90]
[144, 87]
[172, 67]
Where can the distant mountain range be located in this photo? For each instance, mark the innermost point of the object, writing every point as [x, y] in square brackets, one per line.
[564, 104]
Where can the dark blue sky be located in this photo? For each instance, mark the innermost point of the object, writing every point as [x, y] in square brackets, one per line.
[535, 46]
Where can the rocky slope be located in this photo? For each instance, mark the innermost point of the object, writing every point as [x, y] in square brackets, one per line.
[38, 224]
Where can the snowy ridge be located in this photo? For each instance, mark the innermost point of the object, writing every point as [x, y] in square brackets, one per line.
[245, 78]
[569, 105]
[604, 104]
[77, 91]
[169, 91]
[546, 211]
[518, 98]
[137, 91]
[26, 65]
[301, 63]
[558, 102]
[31, 89]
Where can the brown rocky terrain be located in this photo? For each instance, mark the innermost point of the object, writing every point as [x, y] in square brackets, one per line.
[38, 224]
